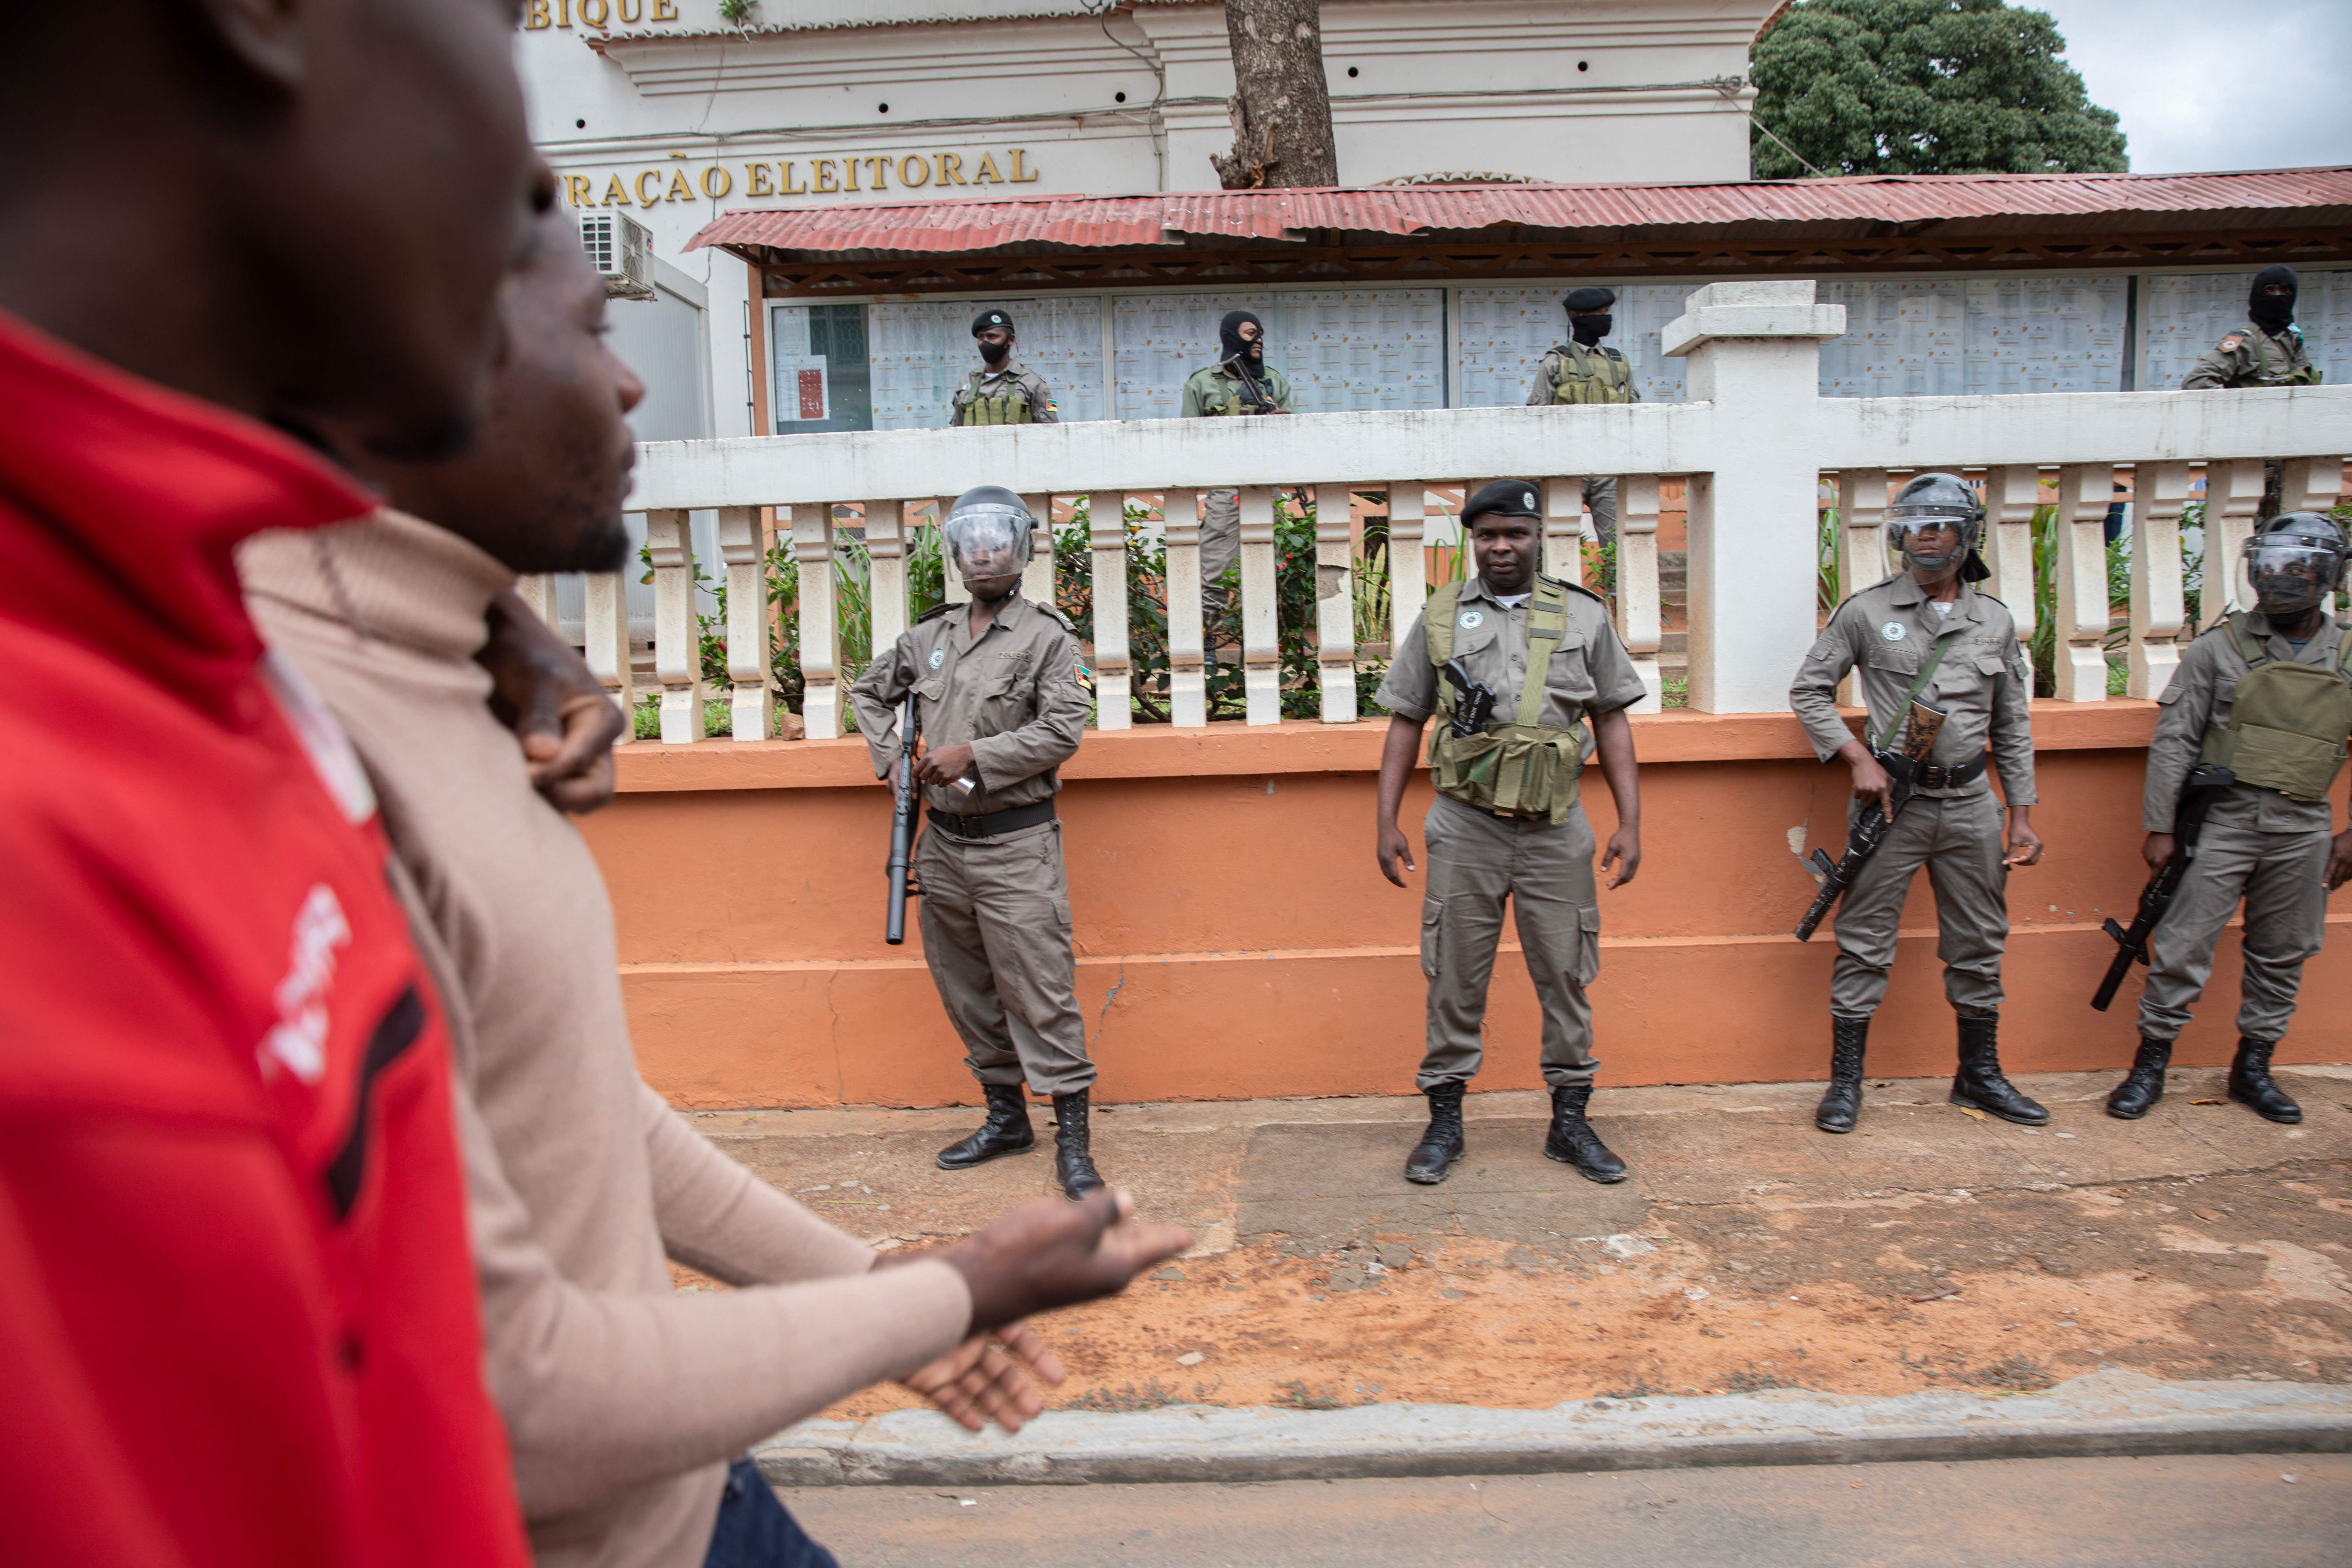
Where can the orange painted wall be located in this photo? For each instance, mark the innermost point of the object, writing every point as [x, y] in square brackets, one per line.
[1235, 937]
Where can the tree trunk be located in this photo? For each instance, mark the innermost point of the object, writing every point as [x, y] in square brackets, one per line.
[1281, 106]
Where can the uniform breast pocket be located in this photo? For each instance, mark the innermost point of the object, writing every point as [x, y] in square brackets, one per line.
[1895, 659]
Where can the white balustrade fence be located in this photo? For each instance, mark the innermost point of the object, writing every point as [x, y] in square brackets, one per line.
[1753, 444]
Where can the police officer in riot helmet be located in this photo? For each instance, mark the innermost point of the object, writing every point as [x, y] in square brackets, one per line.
[1583, 371]
[1002, 700]
[1518, 669]
[1928, 635]
[1003, 391]
[2266, 694]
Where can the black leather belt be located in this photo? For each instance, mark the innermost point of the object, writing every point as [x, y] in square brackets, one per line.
[1926, 775]
[1010, 820]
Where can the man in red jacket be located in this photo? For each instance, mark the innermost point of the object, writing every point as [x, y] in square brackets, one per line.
[236, 1314]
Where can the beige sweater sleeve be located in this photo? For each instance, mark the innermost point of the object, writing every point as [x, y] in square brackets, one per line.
[718, 1217]
[603, 1392]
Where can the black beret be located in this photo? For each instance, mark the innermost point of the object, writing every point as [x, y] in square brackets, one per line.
[1512, 497]
[1591, 299]
[988, 319]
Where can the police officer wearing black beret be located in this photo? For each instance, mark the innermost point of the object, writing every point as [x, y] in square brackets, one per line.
[1581, 371]
[1003, 391]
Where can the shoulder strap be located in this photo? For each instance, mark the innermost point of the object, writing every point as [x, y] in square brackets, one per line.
[1546, 624]
[2243, 640]
[1437, 625]
[1926, 673]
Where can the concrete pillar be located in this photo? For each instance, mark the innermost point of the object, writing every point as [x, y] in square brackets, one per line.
[1755, 353]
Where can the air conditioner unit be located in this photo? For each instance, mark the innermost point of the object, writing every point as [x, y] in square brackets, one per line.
[622, 249]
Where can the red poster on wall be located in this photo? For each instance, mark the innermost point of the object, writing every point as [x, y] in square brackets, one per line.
[801, 386]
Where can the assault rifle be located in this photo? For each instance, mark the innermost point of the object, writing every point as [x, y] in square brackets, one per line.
[1255, 397]
[2204, 787]
[1920, 728]
[909, 806]
[1474, 702]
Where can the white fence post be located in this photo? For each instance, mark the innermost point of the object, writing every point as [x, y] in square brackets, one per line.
[1638, 617]
[1860, 548]
[886, 579]
[2012, 495]
[538, 590]
[2233, 493]
[677, 637]
[812, 550]
[751, 705]
[2157, 609]
[1037, 577]
[605, 606]
[1188, 692]
[1114, 677]
[1335, 604]
[1408, 566]
[1261, 647]
[2079, 617]
[2310, 484]
[1563, 528]
[1754, 350]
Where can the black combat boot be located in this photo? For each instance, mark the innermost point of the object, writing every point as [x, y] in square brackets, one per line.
[1573, 1141]
[2144, 1085]
[1441, 1143]
[1979, 1082]
[1006, 1131]
[1843, 1103]
[2250, 1083]
[1074, 1160]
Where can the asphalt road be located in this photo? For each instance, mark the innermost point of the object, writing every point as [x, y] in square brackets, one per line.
[2195, 1512]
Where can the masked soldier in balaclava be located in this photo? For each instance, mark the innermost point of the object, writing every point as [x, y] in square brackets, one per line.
[1581, 371]
[2266, 694]
[1518, 669]
[1003, 391]
[1927, 634]
[1239, 383]
[1002, 698]
[2268, 351]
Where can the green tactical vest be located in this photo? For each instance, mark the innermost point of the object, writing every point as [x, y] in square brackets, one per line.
[2274, 366]
[997, 408]
[2288, 722]
[1591, 375]
[1523, 768]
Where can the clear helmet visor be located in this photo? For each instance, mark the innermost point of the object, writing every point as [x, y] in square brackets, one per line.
[988, 541]
[1931, 539]
[2288, 575]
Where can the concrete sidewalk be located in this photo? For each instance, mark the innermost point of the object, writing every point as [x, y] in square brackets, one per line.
[1754, 1276]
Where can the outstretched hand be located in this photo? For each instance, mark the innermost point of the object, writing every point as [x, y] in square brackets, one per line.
[560, 712]
[987, 1378]
[1052, 1253]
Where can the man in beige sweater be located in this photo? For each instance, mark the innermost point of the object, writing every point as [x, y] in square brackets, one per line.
[624, 1401]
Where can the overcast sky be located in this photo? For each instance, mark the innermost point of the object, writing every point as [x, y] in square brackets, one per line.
[2217, 84]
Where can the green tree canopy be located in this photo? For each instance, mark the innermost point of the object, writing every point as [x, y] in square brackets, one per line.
[1924, 87]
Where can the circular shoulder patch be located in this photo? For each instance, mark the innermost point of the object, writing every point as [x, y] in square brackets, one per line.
[1895, 631]
[1471, 620]
[939, 657]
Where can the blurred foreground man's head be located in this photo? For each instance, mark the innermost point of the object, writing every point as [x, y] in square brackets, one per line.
[301, 209]
[541, 488]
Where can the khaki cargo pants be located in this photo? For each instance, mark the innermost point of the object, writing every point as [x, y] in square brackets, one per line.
[1958, 839]
[2278, 875]
[996, 935]
[1476, 862]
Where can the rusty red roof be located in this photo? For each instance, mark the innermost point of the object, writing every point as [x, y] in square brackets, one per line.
[979, 223]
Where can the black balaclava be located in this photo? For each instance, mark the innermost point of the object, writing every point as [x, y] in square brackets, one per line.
[1229, 334]
[994, 353]
[2272, 315]
[1588, 313]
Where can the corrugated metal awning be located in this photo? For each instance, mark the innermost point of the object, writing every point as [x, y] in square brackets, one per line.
[1096, 222]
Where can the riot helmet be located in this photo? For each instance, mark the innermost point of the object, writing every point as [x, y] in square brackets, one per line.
[2295, 564]
[1935, 521]
[988, 533]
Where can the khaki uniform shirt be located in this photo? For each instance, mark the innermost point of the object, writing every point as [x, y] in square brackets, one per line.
[1984, 684]
[1018, 694]
[1555, 363]
[2252, 357]
[1003, 381]
[2198, 698]
[1590, 671]
[1214, 390]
